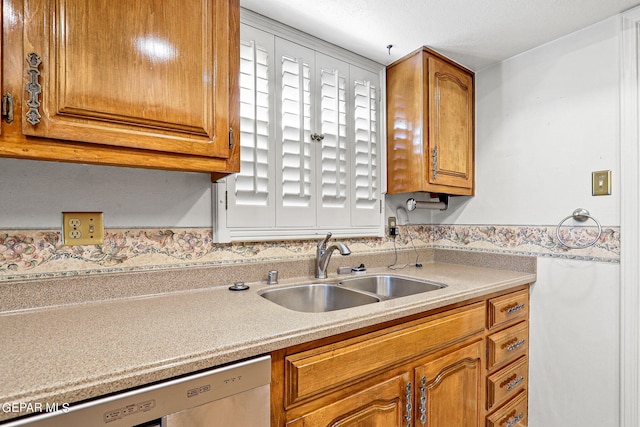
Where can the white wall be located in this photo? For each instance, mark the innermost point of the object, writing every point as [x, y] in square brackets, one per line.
[574, 337]
[33, 195]
[545, 120]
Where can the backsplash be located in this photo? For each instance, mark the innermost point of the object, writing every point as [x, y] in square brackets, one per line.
[33, 254]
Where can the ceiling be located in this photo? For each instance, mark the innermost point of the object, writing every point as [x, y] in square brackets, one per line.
[476, 33]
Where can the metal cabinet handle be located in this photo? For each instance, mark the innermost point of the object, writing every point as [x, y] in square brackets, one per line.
[423, 400]
[515, 420]
[515, 345]
[317, 137]
[434, 157]
[33, 88]
[408, 408]
[514, 308]
[512, 382]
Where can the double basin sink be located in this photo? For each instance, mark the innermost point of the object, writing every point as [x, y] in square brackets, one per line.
[351, 292]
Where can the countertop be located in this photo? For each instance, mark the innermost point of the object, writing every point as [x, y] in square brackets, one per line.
[71, 353]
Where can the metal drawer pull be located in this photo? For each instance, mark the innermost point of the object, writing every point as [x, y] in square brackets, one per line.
[516, 345]
[515, 420]
[33, 88]
[423, 400]
[515, 308]
[409, 407]
[513, 384]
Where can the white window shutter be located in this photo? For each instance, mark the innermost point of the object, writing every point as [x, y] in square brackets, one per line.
[251, 192]
[365, 200]
[333, 148]
[295, 191]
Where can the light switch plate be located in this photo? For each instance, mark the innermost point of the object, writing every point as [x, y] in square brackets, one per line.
[393, 226]
[82, 228]
[601, 183]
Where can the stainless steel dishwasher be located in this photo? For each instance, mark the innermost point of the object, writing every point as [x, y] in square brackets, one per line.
[231, 396]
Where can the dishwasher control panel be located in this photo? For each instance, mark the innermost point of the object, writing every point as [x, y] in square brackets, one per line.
[130, 409]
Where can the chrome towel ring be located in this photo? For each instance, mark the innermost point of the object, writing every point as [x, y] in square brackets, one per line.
[580, 215]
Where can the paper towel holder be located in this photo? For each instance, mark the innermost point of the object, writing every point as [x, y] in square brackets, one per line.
[442, 203]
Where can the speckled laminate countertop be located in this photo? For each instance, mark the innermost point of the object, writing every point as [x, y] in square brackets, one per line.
[75, 352]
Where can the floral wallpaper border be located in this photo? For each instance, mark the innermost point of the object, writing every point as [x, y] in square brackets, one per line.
[33, 254]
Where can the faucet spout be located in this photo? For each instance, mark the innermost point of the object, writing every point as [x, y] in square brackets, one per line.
[323, 255]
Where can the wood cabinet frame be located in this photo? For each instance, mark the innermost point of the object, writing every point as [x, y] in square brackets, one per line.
[430, 125]
[16, 144]
[448, 356]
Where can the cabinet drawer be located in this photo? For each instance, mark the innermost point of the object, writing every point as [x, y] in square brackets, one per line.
[311, 373]
[508, 344]
[513, 414]
[507, 382]
[505, 308]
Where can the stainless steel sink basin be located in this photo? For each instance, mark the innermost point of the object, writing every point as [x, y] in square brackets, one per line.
[387, 286]
[317, 297]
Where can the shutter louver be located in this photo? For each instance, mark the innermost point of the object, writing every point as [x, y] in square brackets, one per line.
[296, 132]
[252, 181]
[333, 153]
[366, 145]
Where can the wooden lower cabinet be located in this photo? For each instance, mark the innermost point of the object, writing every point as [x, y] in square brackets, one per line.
[449, 389]
[507, 360]
[432, 370]
[381, 405]
[513, 414]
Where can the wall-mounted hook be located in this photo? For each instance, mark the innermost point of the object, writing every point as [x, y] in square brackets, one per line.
[389, 46]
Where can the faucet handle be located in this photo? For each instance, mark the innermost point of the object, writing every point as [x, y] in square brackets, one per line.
[323, 243]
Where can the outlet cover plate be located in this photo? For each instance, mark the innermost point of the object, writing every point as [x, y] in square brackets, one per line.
[601, 183]
[82, 228]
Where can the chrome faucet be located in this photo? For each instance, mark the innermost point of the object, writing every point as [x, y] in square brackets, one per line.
[323, 255]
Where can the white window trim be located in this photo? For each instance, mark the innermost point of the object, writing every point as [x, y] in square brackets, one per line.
[630, 221]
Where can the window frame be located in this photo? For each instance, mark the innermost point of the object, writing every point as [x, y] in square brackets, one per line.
[223, 233]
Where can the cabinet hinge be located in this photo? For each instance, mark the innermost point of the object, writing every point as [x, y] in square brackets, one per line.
[230, 138]
[7, 107]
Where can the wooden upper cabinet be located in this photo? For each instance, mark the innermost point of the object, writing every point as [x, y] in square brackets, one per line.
[138, 74]
[430, 125]
[150, 83]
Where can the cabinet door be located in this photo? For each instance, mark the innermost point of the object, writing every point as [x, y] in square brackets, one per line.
[448, 389]
[143, 74]
[382, 405]
[450, 153]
